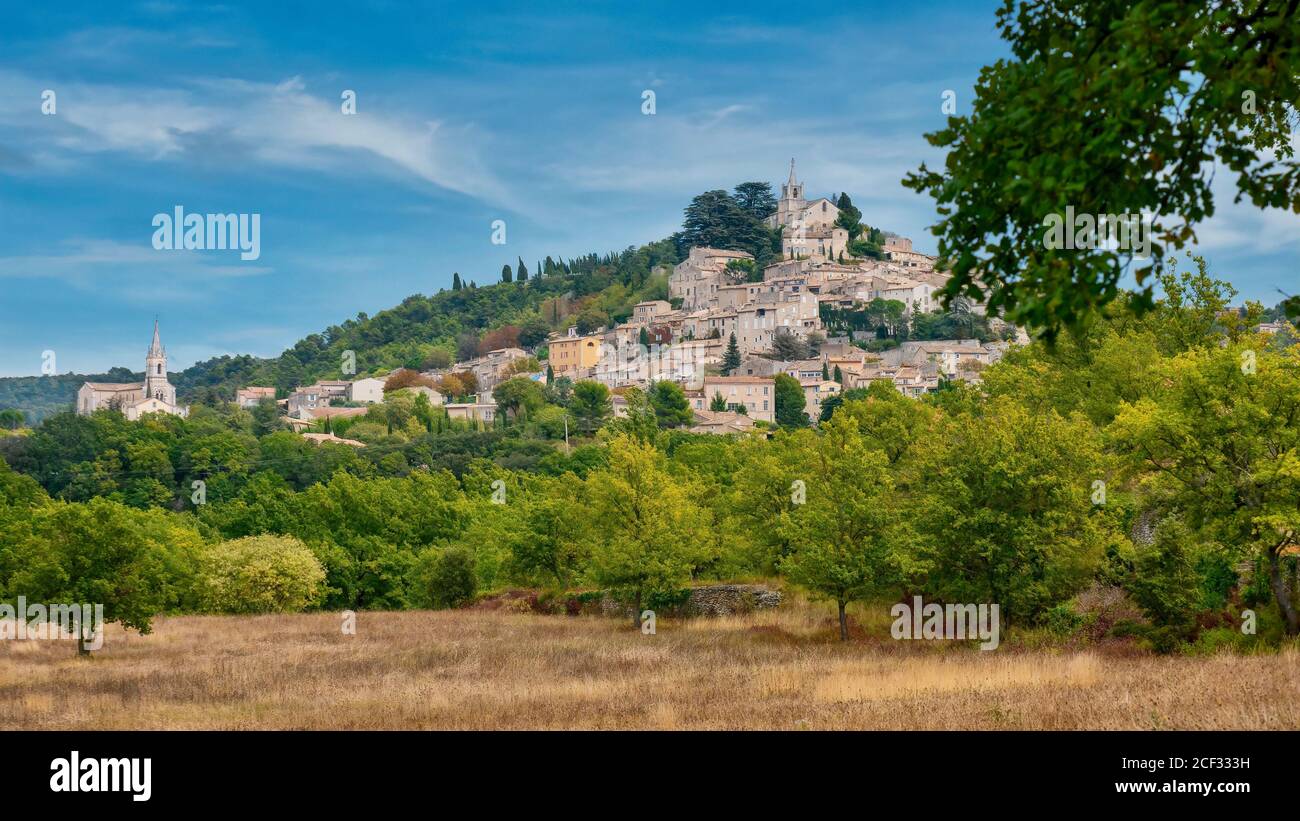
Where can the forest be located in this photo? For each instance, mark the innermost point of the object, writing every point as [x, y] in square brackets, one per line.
[1152, 457]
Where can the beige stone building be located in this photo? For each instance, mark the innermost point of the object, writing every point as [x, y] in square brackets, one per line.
[646, 312]
[251, 396]
[484, 412]
[899, 251]
[756, 394]
[827, 242]
[722, 423]
[696, 279]
[815, 392]
[134, 399]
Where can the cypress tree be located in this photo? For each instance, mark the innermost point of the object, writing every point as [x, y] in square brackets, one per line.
[731, 359]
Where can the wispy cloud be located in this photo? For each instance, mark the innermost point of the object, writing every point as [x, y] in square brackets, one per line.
[131, 270]
[279, 124]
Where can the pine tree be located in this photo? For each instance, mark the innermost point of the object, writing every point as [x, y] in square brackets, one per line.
[850, 218]
[826, 375]
[839, 375]
[731, 359]
[522, 269]
[455, 281]
[505, 273]
[718, 403]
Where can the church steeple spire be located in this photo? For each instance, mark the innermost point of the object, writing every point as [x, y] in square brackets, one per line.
[792, 190]
[156, 385]
[156, 348]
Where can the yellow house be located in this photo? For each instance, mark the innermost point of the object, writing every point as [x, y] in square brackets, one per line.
[573, 355]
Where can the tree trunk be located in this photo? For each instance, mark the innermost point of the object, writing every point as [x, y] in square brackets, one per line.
[1281, 593]
[844, 621]
[82, 649]
[636, 611]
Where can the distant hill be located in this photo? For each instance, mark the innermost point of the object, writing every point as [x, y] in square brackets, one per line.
[41, 396]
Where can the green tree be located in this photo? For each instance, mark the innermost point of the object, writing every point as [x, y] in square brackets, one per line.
[1109, 109]
[533, 332]
[518, 396]
[1219, 438]
[134, 563]
[448, 576]
[556, 542]
[259, 574]
[715, 220]
[718, 402]
[789, 347]
[266, 418]
[850, 218]
[790, 402]
[731, 357]
[1017, 486]
[590, 405]
[641, 422]
[645, 524]
[848, 541]
[672, 408]
[755, 199]
[506, 275]
[1165, 585]
[591, 319]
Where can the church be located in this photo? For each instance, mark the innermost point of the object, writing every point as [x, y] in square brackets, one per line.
[154, 395]
[808, 229]
[792, 207]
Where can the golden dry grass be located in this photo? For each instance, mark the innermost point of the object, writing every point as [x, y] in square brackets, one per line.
[489, 670]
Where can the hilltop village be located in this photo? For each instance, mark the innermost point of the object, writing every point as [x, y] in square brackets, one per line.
[724, 333]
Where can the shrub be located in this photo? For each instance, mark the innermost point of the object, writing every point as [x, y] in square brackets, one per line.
[449, 576]
[259, 574]
[1062, 620]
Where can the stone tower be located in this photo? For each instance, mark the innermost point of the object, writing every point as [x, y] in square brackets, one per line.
[792, 202]
[156, 385]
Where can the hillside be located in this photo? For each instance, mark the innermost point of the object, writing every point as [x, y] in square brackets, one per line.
[420, 332]
[458, 323]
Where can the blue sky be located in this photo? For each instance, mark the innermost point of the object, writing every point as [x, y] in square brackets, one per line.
[466, 113]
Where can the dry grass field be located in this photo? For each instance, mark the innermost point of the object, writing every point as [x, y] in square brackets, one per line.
[477, 669]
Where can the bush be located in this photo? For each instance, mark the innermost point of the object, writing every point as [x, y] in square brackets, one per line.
[1062, 620]
[259, 574]
[449, 579]
[1166, 585]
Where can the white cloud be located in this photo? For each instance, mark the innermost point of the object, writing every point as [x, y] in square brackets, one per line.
[134, 273]
[238, 121]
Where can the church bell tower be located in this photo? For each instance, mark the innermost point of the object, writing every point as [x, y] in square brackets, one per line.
[156, 385]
